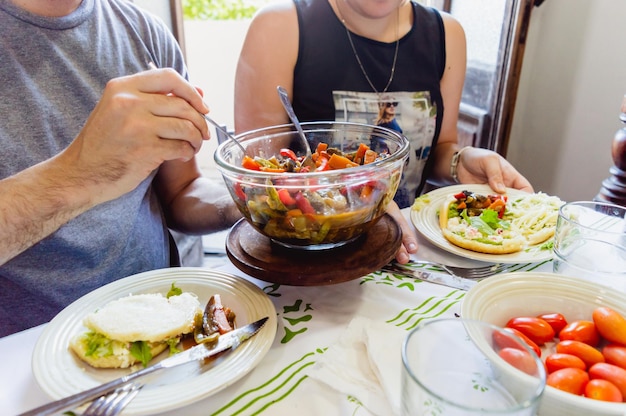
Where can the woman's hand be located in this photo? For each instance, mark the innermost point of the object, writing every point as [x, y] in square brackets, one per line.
[478, 165]
[409, 239]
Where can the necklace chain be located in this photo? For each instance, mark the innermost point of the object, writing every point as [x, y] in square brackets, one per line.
[358, 59]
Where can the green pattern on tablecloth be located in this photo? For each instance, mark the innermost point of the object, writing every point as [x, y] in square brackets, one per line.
[297, 316]
[431, 308]
[275, 389]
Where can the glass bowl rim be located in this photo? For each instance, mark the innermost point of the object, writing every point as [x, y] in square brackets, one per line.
[398, 156]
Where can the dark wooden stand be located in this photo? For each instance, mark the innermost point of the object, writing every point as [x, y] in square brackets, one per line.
[256, 255]
[614, 188]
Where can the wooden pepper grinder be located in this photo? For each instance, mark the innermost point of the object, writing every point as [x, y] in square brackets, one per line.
[614, 188]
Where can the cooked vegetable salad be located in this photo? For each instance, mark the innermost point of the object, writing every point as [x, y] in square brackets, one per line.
[323, 214]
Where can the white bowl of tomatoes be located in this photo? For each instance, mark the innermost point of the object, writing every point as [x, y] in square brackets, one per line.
[563, 317]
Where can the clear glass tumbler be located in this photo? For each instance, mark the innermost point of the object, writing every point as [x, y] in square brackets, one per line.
[467, 367]
[590, 243]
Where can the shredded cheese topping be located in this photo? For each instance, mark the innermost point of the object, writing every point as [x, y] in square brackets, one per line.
[533, 212]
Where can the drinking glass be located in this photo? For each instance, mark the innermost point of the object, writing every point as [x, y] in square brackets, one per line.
[456, 367]
[590, 243]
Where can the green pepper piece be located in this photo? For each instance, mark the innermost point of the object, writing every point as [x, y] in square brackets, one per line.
[274, 199]
[323, 232]
[265, 162]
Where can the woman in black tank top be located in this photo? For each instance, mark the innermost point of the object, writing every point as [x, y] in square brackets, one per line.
[329, 53]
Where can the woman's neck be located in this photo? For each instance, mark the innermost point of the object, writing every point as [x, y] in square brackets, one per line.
[385, 27]
[48, 8]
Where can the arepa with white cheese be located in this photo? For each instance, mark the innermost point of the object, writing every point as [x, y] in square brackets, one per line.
[135, 328]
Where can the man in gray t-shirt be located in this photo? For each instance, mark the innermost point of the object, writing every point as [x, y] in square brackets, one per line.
[93, 171]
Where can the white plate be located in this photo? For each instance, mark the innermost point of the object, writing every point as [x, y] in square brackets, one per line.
[60, 373]
[426, 220]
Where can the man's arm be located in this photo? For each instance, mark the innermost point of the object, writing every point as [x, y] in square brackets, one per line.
[140, 121]
[194, 204]
[37, 201]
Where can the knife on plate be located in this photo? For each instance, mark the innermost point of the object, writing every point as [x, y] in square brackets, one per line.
[231, 340]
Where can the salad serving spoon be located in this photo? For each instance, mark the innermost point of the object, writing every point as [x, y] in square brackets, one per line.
[284, 99]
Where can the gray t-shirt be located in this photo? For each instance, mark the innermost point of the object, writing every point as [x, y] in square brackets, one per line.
[53, 72]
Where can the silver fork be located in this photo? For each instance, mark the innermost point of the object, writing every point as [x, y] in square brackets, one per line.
[478, 272]
[113, 403]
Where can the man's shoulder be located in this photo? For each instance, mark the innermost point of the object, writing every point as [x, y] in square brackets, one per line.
[130, 11]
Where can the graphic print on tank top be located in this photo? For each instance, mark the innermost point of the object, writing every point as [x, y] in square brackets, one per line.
[412, 114]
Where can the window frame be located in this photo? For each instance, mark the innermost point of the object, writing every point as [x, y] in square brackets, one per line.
[487, 122]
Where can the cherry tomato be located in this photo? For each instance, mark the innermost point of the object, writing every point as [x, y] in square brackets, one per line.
[503, 341]
[585, 352]
[520, 359]
[557, 361]
[583, 331]
[556, 321]
[610, 324]
[538, 330]
[571, 380]
[615, 354]
[610, 372]
[599, 389]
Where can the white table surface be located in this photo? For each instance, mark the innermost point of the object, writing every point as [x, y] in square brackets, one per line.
[20, 392]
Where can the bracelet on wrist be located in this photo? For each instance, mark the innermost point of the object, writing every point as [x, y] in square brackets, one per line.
[454, 163]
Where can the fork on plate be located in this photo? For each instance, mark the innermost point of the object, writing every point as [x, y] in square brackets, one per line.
[113, 403]
[478, 272]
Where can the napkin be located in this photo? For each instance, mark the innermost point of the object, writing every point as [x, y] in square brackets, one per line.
[365, 363]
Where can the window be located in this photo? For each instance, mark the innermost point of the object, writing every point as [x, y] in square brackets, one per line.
[495, 30]
[496, 33]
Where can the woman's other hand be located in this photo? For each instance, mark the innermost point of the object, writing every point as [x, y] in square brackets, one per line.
[409, 239]
[478, 165]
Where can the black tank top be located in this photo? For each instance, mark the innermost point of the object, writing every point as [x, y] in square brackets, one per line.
[328, 81]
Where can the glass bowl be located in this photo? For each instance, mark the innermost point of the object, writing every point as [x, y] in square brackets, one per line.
[320, 209]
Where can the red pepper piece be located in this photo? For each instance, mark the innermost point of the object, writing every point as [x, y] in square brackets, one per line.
[286, 198]
[289, 153]
[499, 206]
[322, 162]
[495, 197]
[359, 156]
[304, 204]
[250, 163]
[370, 157]
[366, 192]
[239, 192]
